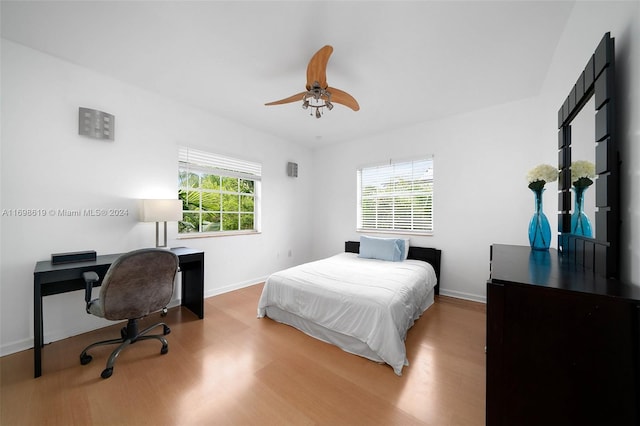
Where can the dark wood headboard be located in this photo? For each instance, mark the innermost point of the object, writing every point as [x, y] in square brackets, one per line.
[426, 254]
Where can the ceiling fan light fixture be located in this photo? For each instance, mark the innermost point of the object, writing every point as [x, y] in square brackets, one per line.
[318, 94]
[317, 98]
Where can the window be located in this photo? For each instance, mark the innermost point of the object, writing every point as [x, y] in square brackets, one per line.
[396, 197]
[219, 194]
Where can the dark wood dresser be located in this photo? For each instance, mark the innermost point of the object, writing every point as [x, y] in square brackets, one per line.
[562, 343]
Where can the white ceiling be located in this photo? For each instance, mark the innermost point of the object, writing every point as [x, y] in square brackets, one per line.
[405, 62]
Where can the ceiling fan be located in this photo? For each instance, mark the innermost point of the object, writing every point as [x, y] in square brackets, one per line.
[319, 94]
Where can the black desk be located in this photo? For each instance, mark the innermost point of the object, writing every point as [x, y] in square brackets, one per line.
[51, 279]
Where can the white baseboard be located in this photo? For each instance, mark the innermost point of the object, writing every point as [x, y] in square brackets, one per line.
[26, 344]
[13, 347]
[462, 295]
[235, 286]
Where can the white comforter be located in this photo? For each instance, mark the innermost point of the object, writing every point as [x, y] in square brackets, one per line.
[371, 300]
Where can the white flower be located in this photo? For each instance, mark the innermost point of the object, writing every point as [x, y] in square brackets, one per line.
[540, 175]
[582, 173]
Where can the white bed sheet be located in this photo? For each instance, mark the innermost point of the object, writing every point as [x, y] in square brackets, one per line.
[372, 301]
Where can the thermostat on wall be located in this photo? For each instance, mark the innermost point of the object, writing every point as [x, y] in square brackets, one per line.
[96, 124]
[292, 169]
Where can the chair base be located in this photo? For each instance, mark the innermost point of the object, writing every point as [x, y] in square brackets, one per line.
[129, 335]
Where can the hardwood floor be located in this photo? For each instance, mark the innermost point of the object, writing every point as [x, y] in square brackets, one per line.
[234, 369]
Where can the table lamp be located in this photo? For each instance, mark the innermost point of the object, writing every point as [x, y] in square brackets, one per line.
[161, 211]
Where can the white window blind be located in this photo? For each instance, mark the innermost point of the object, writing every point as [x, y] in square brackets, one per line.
[396, 197]
[197, 160]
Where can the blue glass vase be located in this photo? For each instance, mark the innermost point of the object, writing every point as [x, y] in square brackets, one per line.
[539, 228]
[580, 224]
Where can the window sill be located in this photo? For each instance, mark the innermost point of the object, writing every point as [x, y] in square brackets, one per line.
[193, 235]
[395, 232]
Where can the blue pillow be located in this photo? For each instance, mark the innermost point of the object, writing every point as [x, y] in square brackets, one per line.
[381, 248]
[401, 246]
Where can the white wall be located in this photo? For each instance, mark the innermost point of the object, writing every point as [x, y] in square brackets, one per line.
[481, 160]
[480, 166]
[584, 30]
[628, 91]
[47, 165]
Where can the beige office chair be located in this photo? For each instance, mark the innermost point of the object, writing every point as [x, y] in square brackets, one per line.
[137, 284]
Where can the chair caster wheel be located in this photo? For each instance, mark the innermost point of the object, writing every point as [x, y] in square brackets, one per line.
[106, 373]
[164, 350]
[166, 330]
[85, 359]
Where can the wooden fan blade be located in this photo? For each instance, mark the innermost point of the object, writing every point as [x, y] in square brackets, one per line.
[317, 68]
[340, 97]
[295, 98]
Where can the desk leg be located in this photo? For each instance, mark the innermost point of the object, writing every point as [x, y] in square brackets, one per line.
[37, 328]
[193, 289]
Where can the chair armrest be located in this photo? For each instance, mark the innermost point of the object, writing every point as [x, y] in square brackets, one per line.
[90, 278]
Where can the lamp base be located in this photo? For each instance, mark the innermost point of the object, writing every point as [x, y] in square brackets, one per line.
[164, 244]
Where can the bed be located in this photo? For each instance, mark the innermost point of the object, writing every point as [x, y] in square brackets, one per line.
[365, 306]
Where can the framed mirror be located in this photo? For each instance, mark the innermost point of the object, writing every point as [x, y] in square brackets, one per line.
[590, 108]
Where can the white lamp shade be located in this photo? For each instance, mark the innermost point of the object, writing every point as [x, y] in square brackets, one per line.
[161, 210]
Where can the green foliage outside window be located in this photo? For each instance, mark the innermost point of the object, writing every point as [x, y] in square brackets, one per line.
[213, 203]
